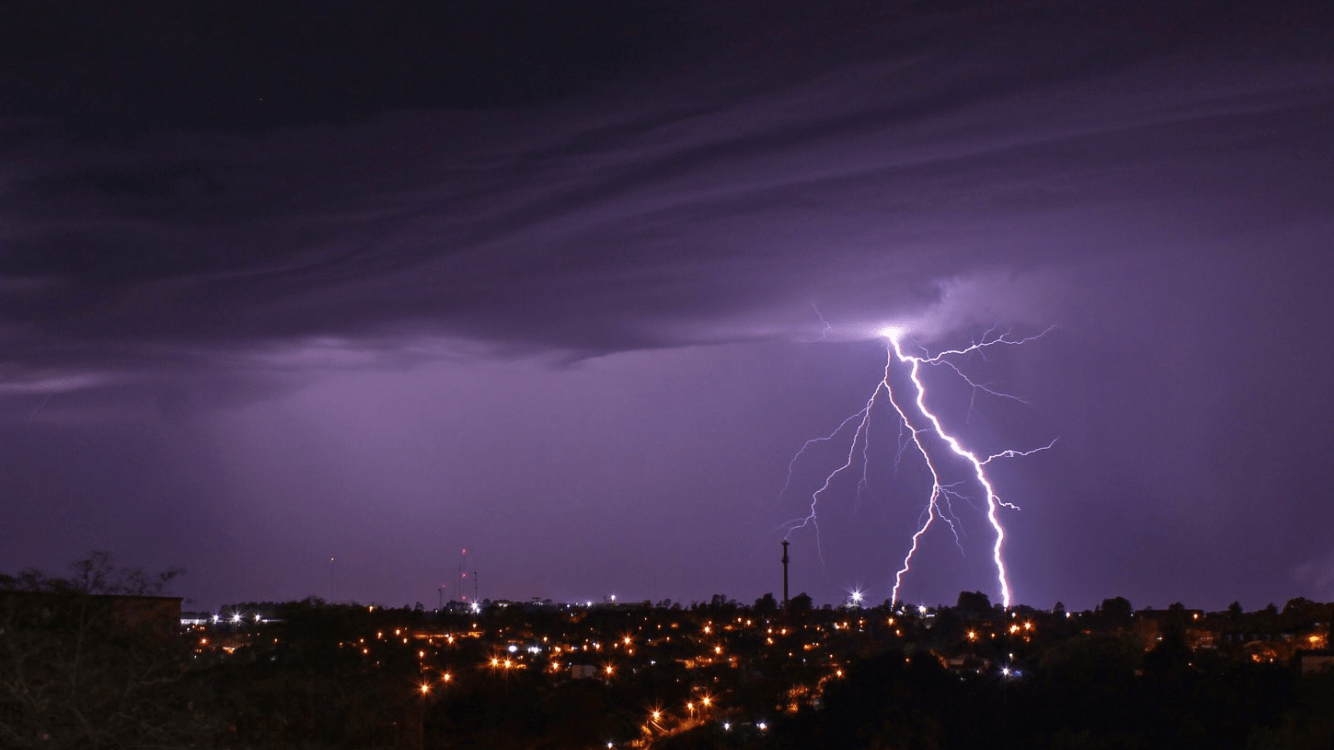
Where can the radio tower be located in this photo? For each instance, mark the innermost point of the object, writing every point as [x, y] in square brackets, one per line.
[785, 543]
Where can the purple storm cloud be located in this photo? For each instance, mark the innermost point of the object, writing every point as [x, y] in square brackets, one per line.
[542, 279]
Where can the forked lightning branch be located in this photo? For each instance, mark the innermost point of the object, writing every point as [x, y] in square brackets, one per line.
[925, 434]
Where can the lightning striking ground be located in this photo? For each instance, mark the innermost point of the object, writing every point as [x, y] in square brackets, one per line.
[919, 422]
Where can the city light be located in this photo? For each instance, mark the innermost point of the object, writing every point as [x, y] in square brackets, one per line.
[827, 645]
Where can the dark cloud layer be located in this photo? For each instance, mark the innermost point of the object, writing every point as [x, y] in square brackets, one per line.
[218, 212]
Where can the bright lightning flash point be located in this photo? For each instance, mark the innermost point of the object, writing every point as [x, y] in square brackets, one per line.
[921, 423]
[892, 334]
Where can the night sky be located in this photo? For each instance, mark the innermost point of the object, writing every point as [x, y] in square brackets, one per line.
[569, 283]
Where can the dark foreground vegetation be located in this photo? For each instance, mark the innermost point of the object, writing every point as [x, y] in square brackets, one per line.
[87, 662]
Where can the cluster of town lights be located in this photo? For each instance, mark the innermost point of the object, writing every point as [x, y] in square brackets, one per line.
[580, 648]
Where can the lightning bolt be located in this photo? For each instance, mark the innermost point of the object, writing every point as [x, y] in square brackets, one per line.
[920, 423]
[825, 330]
[812, 518]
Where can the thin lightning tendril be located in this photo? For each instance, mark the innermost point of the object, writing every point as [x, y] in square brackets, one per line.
[38, 408]
[822, 439]
[940, 502]
[811, 519]
[825, 330]
[865, 481]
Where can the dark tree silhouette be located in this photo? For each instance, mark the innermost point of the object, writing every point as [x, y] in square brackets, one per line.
[72, 675]
[1116, 610]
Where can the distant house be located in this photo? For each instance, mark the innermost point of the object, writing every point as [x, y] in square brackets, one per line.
[1315, 662]
[583, 672]
[160, 615]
